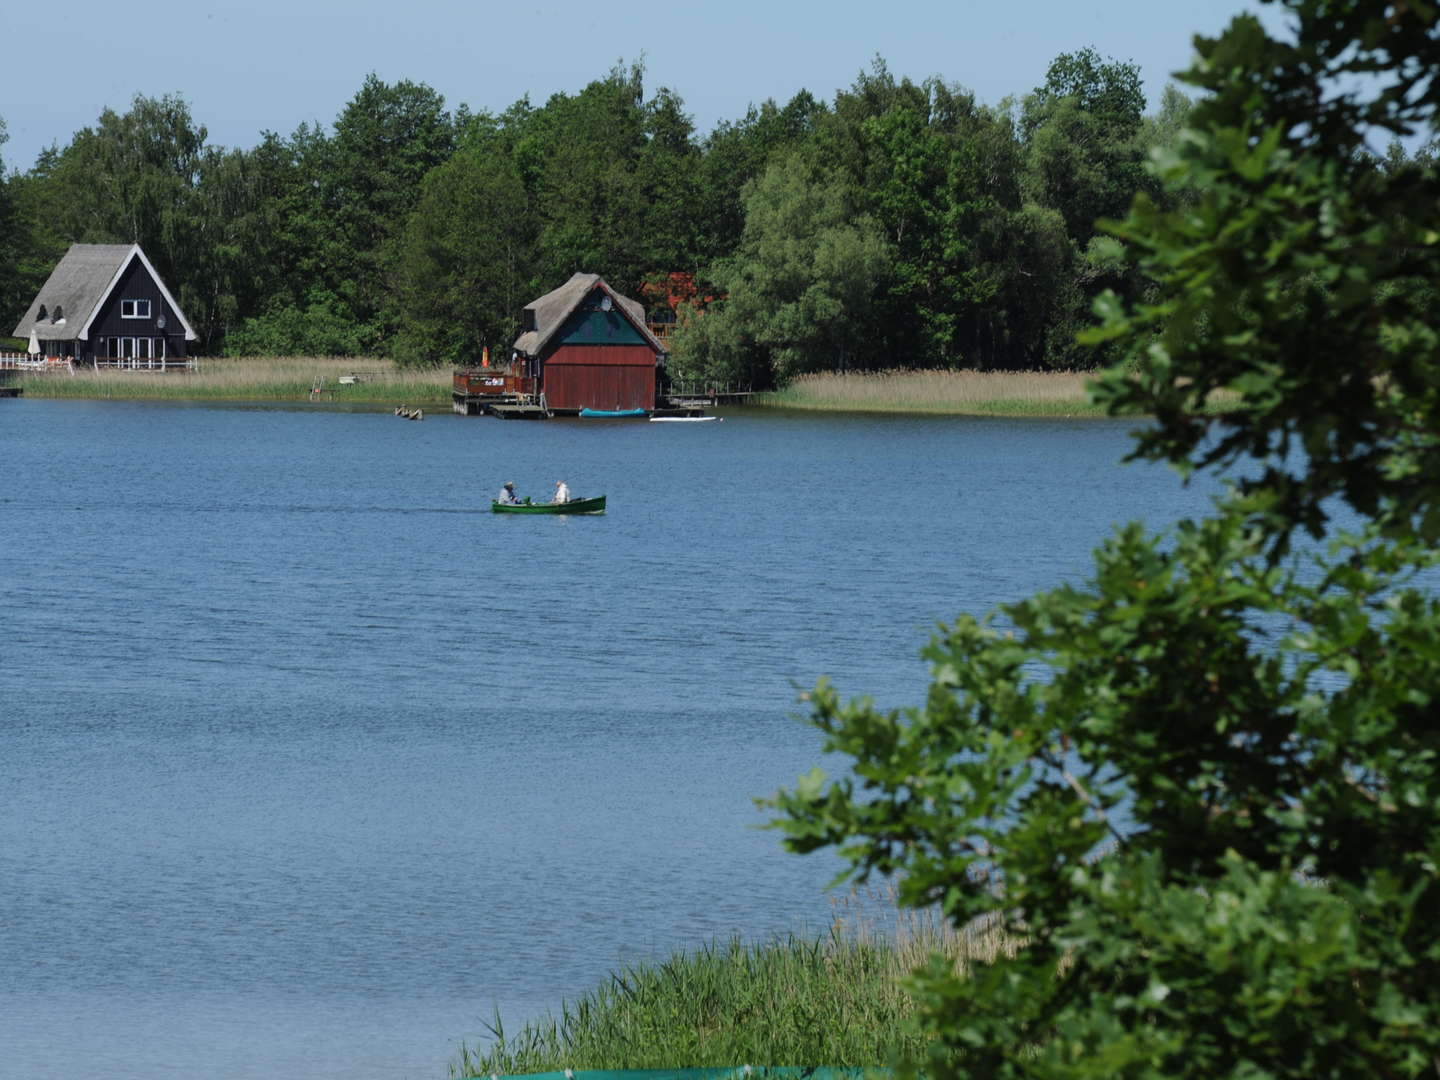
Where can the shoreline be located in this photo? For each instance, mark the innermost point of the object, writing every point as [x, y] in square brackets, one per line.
[315, 381]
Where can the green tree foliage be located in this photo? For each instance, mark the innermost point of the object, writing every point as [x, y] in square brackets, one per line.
[1161, 130]
[367, 177]
[466, 264]
[13, 298]
[1107, 90]
[1204, 788]
[801, 288]
[668, 169]
[1084, 146]
[34, 241]
[613, 179]
[589, 197]
[940, 176]
[321, 328]
[287, 248]
[132, 179]
[314, 239]
[1032, 322]
[602, 181]
[240, 221]
[327, 230]
[737, 152]
[979, 276]
[1081, 131]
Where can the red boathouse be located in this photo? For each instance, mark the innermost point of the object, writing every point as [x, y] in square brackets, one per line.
[588, 347]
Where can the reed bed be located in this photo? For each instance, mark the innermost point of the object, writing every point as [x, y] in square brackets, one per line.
[975, 393]
[836, 1001]
[256, 378]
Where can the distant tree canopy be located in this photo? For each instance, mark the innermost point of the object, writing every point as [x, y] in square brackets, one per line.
[901, 224]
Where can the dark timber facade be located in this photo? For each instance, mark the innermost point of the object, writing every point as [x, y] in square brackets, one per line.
[104, 305]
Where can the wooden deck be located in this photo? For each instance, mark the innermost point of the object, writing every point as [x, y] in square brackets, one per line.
[473, 395]
[518, 411]
[497, 405]
[706, 395]
[24, 362]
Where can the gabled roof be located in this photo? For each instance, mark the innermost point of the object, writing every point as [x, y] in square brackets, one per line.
[552, 309]
[79, 285]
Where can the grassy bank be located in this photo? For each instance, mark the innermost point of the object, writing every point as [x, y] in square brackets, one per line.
[292, 379]
[972, 393]
[252, 378]
[836, 1001]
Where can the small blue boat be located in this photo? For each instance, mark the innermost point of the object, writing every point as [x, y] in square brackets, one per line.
[611, 414]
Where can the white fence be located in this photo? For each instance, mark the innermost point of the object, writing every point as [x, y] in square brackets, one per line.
[145, 363]
[26, 362]
[10, 361]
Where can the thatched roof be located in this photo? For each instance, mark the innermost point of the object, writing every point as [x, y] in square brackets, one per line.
[79, 284]
[552, 309]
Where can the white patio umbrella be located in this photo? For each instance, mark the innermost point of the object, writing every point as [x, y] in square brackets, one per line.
[34, 349]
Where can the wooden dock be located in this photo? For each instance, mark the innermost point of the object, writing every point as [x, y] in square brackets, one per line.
[703, 395]
[468, 404]
[518, 411]
[506, 406]
[510, 397]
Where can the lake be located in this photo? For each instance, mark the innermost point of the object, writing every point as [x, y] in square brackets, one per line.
[309, 764]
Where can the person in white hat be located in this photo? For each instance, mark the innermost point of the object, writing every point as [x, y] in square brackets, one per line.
[562, 492]
[507, 494]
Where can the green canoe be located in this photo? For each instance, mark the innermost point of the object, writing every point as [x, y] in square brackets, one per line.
[574, 506]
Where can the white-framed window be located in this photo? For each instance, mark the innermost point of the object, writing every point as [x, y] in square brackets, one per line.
[134, 309]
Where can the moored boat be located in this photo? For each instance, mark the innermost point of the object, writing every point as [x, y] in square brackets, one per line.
[611, 414]
[594, 505]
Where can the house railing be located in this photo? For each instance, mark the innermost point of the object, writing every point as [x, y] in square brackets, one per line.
[145, 363]
[26, 362]
[709, 388]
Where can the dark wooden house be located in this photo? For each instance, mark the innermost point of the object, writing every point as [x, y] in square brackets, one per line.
[105, 305]
[587, 346]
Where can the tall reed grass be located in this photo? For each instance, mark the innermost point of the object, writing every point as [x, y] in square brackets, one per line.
[296, 378]
[836, 1001]
[256, 378]
[978, 393]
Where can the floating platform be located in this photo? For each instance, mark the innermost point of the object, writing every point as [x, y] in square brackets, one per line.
[11, 391]
[518, 412]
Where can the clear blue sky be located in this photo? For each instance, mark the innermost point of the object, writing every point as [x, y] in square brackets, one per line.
[250, 65]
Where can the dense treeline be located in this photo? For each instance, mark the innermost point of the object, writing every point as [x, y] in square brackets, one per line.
[901, 224]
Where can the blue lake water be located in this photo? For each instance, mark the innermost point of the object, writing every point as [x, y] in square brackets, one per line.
[309, 764]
